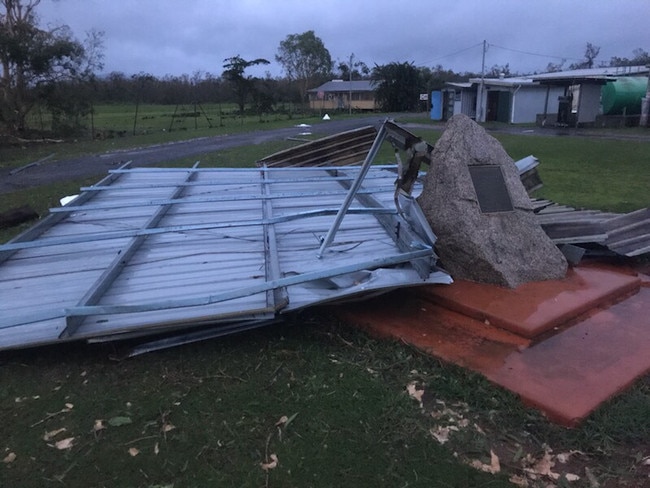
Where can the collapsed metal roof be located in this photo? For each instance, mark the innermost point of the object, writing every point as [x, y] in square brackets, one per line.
[592, 230]
[151, 250]
[204, 252]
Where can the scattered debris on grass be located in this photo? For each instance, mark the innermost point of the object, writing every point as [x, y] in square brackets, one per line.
[526, 469]
[99, 425]
[272, 464]
[48, 436]
[119, 421]
[494, 466]
[67, 408]
[63, 444]
[415, 393]
[9, 458]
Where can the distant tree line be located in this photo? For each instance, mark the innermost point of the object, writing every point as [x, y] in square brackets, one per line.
[51, 70]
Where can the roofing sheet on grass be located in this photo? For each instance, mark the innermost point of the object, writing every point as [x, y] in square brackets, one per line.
[150, 250]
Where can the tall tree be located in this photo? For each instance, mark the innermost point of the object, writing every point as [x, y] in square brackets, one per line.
[31, 58]
[640, 58]
[360, 70]
[243, 85]
[305, 59]
[555, 67]
[591, 53]
[71, 99]
[398, 86]
[498, 71]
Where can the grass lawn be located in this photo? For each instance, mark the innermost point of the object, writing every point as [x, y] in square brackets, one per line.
[330, 403]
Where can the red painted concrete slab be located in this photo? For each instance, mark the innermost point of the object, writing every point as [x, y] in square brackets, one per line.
[443, 333]
[566, 375]
[534, 308]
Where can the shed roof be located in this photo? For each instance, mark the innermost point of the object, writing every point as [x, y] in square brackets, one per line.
[596, 75]
[508, 82]
[345, 86]
[151, 250]
[599, 75]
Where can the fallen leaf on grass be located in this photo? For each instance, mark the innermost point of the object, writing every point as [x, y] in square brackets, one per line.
[167, 427]
[646, 461]
[99, 425]
[48, 436]
[134, 451]
[543, 467]
[494, 466]
[441, 434]
[65, 443]
[414, 392]
[271, 465]
[9, 458]
[156, 449]
[518, 481]
[284, 421]
[563, 457]
[119, 421]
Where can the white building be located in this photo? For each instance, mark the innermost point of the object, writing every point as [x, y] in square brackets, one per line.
[569, 98]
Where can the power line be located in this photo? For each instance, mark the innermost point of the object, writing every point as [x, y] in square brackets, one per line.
[453, 54]
[534, 54]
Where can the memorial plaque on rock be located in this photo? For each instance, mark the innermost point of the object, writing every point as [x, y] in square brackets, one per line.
[491, 189]
[478, 208]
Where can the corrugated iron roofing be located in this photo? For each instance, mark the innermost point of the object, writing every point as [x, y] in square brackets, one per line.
[623, 234]
[159, 249]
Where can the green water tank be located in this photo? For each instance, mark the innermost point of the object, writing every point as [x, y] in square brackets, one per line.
[624, 95]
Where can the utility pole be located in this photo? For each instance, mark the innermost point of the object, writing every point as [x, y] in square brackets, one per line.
[479, 101]
[350, 94]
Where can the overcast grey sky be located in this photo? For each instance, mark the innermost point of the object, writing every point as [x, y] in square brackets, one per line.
[184, 36]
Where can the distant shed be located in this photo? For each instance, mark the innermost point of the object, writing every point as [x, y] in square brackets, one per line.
[343, 95]
[581, 102]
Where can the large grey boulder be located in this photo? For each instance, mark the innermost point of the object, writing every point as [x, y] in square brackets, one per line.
[495, 239]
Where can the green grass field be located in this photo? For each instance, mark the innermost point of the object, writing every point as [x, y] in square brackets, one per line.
[327, 400]
[121, 120]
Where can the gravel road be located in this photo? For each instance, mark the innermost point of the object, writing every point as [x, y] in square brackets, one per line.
[53, 170]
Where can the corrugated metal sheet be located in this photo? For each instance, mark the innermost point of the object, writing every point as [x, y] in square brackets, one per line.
[149, 250]
[341, 149]
[623, 234]
[629, 234]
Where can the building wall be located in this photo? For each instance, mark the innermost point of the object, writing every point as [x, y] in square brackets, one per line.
[340, 101]
[529, 101]
[589, 103]
[467, 102]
